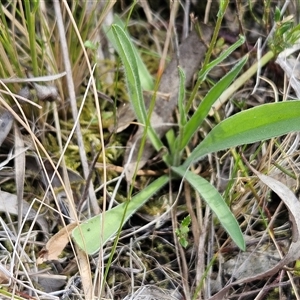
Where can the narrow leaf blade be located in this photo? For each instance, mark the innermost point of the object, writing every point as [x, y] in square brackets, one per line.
[91, 235]
[203, 73]
[181, 96]
[128, 58]
[127, 55]
[145, 76]
[216, 203]
[256, 124]
[201, 113]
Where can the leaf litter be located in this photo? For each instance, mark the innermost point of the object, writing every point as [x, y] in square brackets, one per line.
[293, 205]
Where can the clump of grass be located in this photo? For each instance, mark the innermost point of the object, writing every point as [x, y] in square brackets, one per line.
[38, 39]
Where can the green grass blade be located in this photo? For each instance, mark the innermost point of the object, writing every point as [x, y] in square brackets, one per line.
[127, 55]
[256, 124]
[203, 73]
[145, 77]
[181, 96]
[9, 61]
[90, 235]
[171, 138]
[216, 203]
[207, 68]
[201, 113]
[176, 153]
[30, 13]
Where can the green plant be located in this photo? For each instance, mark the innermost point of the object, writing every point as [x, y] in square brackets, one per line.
[30, 40]
[182, 231]
[187, 129]
[256, 124]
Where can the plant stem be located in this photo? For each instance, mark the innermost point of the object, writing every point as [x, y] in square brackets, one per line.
[222, 9]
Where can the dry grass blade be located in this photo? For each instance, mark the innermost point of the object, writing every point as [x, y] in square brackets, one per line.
[34, 79]
[9, 204]
[19, 171]
[71, 90]
[174, 10]
[83, 260]
[6, 122]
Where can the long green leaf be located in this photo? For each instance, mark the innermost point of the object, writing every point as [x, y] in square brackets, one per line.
[212, 96]
[90, 235]
[145, 76]
[256, 124]
[127, 55]
[216, 203]
[181, 96]
[203, 73]
[176, 153]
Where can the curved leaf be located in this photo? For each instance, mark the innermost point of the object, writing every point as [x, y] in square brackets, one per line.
[145, 76]
[127, 55]
[216, 203]
[212, 96]
[203, 73]
[256, 124]
[91, 235]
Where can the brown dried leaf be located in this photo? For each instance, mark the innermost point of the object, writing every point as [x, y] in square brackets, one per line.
[56, 244]
[125, 116]
[4, 275]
